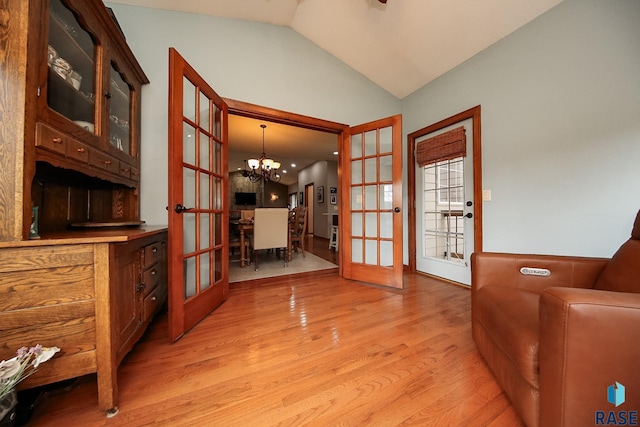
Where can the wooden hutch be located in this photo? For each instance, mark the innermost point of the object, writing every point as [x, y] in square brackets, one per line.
[77, 268]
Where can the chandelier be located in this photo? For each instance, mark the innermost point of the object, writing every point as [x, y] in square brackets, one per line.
[263, 167]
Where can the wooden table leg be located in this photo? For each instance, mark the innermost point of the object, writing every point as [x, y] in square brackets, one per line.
[243, 255]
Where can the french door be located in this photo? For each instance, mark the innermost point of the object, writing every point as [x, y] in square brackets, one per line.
[371, 219]
[198, 206]
[370, 192]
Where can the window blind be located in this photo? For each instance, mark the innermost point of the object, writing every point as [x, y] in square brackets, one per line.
[445, 146]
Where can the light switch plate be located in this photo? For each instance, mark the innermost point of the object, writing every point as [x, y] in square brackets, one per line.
[486, 195]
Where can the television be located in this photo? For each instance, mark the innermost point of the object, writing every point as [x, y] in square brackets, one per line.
[245, 198]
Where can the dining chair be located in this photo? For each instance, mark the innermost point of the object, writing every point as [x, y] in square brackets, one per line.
[270, 231]
[298, 230]
[234, 242]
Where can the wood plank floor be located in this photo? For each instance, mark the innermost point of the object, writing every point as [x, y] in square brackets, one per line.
[311, 350]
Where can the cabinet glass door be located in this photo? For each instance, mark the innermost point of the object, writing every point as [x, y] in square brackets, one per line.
[119, 96]
[71, 67]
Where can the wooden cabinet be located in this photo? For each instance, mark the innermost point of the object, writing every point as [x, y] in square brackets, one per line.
[73, 147]
[70, 146]
[98, 106]
[139, 268]
[92, 296]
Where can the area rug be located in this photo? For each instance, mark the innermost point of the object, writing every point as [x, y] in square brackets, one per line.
[269, 265]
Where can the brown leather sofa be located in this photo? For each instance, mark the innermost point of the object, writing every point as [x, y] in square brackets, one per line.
[557, 331]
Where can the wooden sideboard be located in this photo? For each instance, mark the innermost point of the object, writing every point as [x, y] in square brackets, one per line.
[91, 293]
[70, 158]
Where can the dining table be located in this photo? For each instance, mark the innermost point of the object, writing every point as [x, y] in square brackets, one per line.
[243, 227]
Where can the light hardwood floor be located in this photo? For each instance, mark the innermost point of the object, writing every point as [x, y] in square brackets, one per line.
[311, 350]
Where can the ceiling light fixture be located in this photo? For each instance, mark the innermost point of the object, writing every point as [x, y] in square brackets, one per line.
[263, 167]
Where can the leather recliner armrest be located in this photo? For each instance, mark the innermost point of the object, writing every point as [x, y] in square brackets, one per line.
[505, 269]
[589, 339]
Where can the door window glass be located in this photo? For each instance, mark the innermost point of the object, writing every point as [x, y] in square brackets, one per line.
[443, 210]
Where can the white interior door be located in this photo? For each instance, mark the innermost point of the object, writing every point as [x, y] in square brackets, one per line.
[444, 212]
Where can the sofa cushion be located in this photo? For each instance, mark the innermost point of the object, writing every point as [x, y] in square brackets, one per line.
[510, 317]
[622, 274]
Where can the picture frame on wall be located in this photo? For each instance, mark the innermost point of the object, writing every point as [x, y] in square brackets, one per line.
[321, 194]
[333, 199]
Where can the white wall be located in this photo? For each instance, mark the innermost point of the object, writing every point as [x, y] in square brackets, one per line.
[258, 63]
[560, 128]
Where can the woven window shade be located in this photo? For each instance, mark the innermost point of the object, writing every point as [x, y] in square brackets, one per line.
[446, 146]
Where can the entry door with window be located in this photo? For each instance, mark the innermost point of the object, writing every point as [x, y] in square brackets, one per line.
[371, 221]
[198, 202]
[445, 202]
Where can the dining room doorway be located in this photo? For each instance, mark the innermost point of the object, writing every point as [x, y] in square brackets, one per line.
[355, 265]
[297, 145]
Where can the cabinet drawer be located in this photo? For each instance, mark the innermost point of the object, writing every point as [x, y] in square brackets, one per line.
[125, 170]
[105, 162]
[153, 302]
[51, 139]
[135, 174]
[77, 150]
[151, 278]
[152, 254]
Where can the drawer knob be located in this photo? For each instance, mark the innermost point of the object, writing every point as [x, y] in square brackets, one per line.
[153, 298]
[125, 170]
[80, 150]
[57, 140]
[154, 250]
[107, 162]
[153, 272]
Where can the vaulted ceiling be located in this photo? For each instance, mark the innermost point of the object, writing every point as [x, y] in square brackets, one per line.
[401, 46]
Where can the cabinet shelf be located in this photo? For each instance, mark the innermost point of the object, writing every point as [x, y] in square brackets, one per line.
[68, 46]
[67, 100]
[77, 48]
[115, 90]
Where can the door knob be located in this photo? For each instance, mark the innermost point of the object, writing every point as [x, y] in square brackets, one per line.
[396, 209]
[180, 209]
[469, 215]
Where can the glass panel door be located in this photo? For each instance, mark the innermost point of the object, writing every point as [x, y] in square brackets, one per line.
[445, 209]
[373, 241]
[198, 203]
[71, 67]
